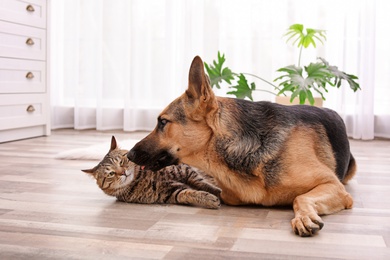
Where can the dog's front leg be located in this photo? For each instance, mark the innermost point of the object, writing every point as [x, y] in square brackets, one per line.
[324, 199]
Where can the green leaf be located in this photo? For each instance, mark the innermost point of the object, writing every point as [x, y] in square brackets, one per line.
[295, 30]
[340, 75]
[294, 95]
[302, 97]
[310, 98]
[291, 69]
[319, 75]
[300, 86]
[217, 73]
[297, 34]
[243, 89]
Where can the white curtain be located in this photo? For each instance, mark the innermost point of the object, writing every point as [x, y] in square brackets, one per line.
[116, 64]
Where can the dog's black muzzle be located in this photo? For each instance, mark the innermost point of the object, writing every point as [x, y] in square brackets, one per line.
[155, 161]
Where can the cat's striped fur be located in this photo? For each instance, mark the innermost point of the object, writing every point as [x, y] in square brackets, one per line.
[176, 184]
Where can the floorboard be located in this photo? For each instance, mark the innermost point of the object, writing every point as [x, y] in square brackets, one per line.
[49, 209]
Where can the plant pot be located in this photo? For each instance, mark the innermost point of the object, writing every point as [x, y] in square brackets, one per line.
[285, 100]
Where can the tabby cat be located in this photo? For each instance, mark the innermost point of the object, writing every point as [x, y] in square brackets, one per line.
[128, 182]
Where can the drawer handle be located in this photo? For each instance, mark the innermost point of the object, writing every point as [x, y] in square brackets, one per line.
[30, 41]
[30, 8]
[29, 75]
[30, 109]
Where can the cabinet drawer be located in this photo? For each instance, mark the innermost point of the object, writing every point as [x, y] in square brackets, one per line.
[19, 41]
[31, 13]
[22, 76]
[22, 110]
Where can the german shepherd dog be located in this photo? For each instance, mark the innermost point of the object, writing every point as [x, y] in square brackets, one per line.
[258, 152]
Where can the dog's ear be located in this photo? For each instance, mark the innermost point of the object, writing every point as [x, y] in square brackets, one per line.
[199, 89]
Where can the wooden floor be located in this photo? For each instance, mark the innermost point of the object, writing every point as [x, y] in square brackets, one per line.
[49, 209]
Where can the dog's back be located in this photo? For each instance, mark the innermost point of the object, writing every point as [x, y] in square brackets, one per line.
[335, 132]
[262, 128]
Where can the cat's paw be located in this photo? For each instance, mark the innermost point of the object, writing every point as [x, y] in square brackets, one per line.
[217, 192]
[212, 201]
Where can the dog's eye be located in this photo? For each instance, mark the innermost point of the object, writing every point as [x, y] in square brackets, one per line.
[162, 122]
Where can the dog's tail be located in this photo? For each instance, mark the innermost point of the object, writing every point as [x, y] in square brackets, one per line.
[351, 170]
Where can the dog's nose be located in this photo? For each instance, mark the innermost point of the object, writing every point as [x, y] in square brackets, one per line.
[131, 155]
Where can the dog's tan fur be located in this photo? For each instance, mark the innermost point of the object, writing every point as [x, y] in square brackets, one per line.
[305, 162]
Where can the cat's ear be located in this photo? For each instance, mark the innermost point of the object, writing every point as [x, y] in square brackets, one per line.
[91, 172]
[113, 143]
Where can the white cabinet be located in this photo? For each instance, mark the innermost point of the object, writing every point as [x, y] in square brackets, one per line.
[24, 89]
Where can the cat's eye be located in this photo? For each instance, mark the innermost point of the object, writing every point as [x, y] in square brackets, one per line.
[111, 174]
[123, 162]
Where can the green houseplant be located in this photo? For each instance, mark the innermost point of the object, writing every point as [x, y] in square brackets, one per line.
[297, 81]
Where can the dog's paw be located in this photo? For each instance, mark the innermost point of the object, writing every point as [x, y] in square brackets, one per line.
[306, 225]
